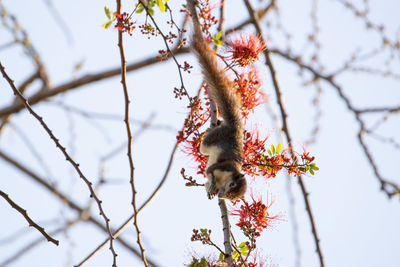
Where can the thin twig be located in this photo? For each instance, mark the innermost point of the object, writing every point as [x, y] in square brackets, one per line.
[28, 219]
[67, 201]
[128, 221]
[6, 119]
[34, 243]
[62, 149]
[285, 129]
[129, 144]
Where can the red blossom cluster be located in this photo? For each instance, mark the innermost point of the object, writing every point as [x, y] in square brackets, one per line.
[124, 23]
[147, 29]
[192, 147]
[191, 135]
[254, 217]
[246, 49]
[203, 235]
[258, 160]
[248, 86]
[198, 116]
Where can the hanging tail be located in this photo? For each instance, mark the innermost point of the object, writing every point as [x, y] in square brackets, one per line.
[220, 88]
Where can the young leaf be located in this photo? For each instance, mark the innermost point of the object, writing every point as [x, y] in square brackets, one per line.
[151, 10]
[107, 11]
[278, 148]
[161, 5]
[194, 263]
[203, 262]
[140, 8]
[269, 153]
[218, 42]
[273, 149]
[244, 249]
[235, 255]
[106, 25]
[311, 171]
[242, 245]
[221, 257]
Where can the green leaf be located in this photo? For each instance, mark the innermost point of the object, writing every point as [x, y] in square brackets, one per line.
[107, 11]
[106, 25]
[244, 249]
[278, 148]
[242, 245]
[194, 263]
[151, 10]
[269, 153]
[221, 257]
[203, 262]
[235, 255]
[218, 42]
[273, 149]
[161, 5]
[140, 8]
[311, 171]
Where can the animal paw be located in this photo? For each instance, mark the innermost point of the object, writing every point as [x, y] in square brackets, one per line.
[211, 190]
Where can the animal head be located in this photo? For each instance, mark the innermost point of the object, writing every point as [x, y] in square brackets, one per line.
[234, 188]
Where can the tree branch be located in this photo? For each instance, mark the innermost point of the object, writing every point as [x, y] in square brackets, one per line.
[128, 221]
[62, 149]
[32, 244]
[129, 143]
[65, 200]
[28, 219]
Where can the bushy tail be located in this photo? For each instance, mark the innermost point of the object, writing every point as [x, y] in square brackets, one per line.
[220, 88]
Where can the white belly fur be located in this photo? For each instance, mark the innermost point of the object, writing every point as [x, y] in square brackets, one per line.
[212, 152]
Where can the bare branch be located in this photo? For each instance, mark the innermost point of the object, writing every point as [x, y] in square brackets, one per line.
[129, 143]
[58, 145]
[128, 221]
[34, 243]
[67, 201]
[226, 228]
[27, 218]
[6, 119]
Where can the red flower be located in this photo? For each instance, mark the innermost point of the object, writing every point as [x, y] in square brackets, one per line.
[191, 135]
[192, 147]
[124, 23]
[248, 87]
[253, 217]
[253, 151]
[246, 49]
